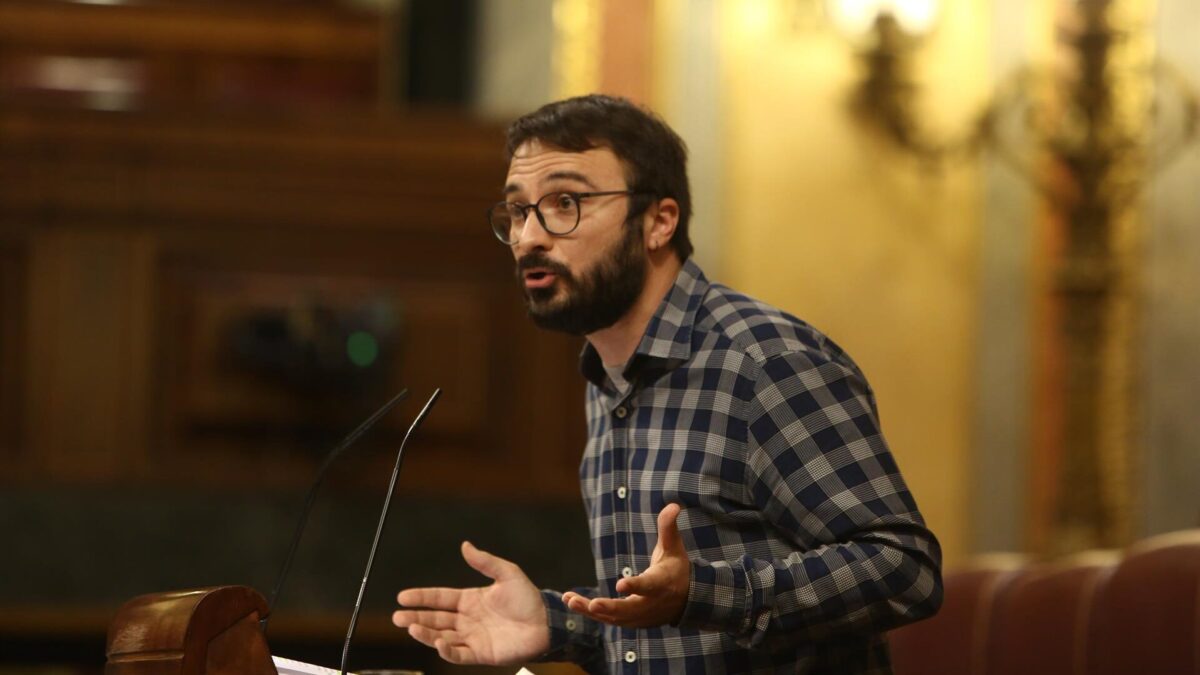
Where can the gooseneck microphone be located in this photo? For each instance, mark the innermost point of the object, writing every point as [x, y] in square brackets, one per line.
[387, 502]
[312, 495]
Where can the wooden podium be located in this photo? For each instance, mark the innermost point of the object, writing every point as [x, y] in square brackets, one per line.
[204, 631]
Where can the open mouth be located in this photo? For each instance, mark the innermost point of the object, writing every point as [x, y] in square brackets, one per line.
[539, 278]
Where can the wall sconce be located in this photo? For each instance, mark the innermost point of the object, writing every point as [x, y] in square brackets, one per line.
[887, 32]
[1083, 139]
[858, 18]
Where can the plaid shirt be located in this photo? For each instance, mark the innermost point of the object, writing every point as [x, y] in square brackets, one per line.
[804, 541]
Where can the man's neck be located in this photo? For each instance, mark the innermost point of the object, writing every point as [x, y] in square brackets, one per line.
[616, 344]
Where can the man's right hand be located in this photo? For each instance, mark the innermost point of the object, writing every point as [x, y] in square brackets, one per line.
[501, 624]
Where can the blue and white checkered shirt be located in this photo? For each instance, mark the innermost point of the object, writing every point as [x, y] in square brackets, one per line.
[804, 541]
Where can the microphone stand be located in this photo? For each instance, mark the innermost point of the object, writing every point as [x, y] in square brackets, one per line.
[387, 502]
[312, 496]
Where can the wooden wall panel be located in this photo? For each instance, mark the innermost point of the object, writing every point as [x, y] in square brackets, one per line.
[420, 334]
[12, 346]
[153, 237]
[221, 190]
[428, 334]
[88, 318]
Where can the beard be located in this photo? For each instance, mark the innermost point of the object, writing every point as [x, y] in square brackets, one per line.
[594, 300]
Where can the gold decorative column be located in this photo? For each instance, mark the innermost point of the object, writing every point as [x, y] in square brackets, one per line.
[1097, 165]
[1082, 131]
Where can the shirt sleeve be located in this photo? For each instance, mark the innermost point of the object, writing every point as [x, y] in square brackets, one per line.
[820, 471]
[573, 637]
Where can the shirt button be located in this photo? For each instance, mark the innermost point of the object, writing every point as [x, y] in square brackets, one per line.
[621, 492]
[570, 624]
[630, 656]
[621, 412]
[627, 572]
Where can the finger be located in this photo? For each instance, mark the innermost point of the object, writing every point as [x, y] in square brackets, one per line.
[615, 608]
[655, 580]
[455, 653]
[668, 529]
[423, 635]
[430, 619]
[576, 603]
[618, 612]
[646, 583]
[582, 606]
[431, 598]
[490, 566]
[605, 618]
[430, 637]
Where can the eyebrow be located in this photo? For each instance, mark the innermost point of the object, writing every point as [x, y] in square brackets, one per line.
[557, 175]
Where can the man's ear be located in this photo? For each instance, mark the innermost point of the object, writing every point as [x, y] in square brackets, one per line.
[660, 223]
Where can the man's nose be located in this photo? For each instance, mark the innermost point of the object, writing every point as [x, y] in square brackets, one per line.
[532, 236]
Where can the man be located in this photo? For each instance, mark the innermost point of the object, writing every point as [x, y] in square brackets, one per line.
[746, 514]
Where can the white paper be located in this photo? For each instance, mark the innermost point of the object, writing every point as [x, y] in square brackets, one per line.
[290, 667]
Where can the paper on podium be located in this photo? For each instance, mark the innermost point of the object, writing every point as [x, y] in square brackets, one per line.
[293, 667]
[290, 667]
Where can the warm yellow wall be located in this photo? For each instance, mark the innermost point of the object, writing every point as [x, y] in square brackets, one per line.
[823, 220]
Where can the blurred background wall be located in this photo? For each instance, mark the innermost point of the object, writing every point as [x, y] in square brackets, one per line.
[230, 231]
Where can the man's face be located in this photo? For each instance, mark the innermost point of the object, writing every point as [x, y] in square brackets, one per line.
[587, 280]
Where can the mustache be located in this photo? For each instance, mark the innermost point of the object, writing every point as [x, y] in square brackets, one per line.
[538, 259]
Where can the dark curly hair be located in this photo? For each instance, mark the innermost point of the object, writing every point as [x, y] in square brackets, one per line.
[654, 156]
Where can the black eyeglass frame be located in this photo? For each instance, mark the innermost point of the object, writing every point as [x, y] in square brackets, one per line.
[577, 196]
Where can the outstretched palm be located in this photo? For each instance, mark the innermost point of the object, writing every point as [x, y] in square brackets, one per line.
[500, 624]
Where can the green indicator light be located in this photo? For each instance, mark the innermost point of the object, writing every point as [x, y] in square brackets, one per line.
[362, 348]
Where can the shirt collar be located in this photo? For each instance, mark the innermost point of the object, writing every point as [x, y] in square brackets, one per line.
[667, 341]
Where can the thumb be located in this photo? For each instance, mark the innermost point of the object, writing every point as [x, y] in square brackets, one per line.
[645, 583]
[490, 566]
[668, 530]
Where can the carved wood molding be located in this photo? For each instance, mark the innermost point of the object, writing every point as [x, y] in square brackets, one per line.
[418, 173]
[309, 30]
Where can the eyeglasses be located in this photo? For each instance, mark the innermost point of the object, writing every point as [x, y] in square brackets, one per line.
[557, 212]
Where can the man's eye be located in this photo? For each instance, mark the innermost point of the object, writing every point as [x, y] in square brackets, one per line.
[564, 202]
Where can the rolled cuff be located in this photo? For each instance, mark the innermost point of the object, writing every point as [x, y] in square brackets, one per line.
[718, 598]
[573, 637]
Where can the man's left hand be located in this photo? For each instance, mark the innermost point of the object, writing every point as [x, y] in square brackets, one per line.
[653, 598]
